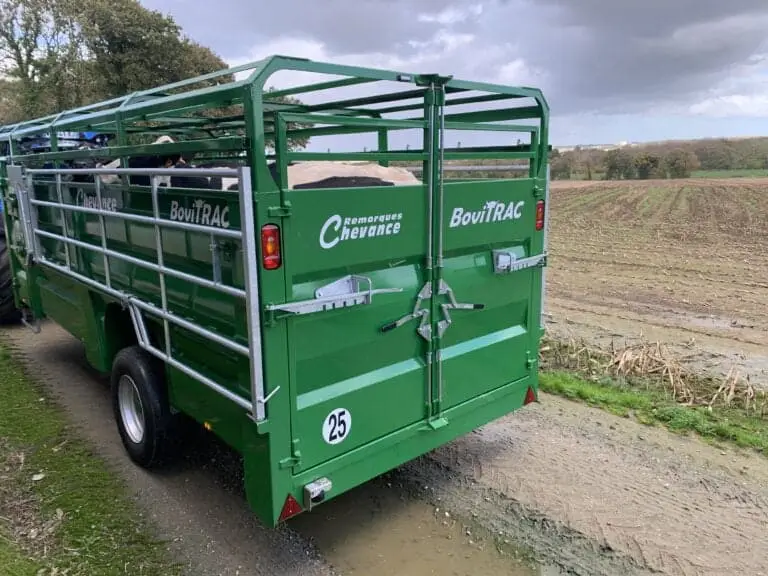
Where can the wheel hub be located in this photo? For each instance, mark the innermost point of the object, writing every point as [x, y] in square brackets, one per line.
[131, 409]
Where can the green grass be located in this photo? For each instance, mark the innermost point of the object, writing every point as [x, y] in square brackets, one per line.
[97, 528]
[651, 405]
[13, 562]
[741, 173]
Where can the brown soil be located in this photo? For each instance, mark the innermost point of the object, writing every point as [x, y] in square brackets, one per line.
[642, 500]
[682, 262]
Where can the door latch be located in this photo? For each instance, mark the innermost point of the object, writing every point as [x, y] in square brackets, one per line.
[425, 328]
[418, 312]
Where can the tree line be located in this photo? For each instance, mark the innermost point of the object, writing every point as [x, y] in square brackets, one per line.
[61, 54]
[673, 159]
[56, 55]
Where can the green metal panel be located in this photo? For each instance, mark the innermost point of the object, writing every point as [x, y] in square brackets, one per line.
[498, 340]
[354, 394]
[339, 358]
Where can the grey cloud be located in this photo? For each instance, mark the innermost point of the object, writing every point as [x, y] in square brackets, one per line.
[595, 55]
[621, 55]
[345, 26]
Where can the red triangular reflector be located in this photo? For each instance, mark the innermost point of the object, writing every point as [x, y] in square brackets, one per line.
[530, 396]
[290, 508]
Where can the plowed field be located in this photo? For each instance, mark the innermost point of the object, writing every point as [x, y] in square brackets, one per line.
[682, 262]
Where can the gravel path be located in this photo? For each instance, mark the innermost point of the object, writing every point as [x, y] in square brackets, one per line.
[584, 490]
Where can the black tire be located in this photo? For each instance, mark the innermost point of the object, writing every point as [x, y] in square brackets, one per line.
[9, 314]
[138, 372]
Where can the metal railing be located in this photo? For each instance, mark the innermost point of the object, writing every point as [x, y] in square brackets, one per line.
[23, 184]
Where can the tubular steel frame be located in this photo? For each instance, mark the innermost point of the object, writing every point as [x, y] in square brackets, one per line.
[136, 306]
[262, 117]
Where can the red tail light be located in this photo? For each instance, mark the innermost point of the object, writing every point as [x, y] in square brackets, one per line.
[530, 396]
[270, 247]
[540, 208]
[290, 509]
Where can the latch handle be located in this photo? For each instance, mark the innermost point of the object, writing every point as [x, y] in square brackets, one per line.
[468, 306]
[390, 326]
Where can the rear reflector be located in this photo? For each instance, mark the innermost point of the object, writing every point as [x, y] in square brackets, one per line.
[270, 247]
[540, 208]
[290, 508]
[530, 396]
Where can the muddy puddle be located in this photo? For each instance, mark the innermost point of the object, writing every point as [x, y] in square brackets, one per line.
[376, 530]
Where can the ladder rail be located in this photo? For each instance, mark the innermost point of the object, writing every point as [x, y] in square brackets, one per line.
[256, 405]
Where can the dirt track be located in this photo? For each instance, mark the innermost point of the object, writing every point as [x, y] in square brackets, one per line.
[590, 492]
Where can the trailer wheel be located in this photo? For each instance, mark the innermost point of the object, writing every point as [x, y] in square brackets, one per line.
[140, 406]
[9, 314]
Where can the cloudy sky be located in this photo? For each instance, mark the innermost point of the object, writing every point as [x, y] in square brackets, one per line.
[612, 70]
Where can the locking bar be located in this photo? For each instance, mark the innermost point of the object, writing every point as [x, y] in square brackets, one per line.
[425, 329]
[418, 312]
[443, 324]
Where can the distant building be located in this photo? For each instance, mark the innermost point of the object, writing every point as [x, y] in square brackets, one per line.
[603, 147]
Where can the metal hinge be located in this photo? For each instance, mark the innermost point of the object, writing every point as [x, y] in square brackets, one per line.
[531, 360]
[295, 459]
[288, 462]
[280, 211]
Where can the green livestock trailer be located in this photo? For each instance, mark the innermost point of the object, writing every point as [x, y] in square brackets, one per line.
[329, 326]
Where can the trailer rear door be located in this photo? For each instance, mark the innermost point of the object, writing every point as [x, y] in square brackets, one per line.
[489, 318]
[362, 321]
[354, 259]
[404, 302]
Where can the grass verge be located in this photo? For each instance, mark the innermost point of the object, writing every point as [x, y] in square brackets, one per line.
[644, 383]
[62, 511]
[739, 173]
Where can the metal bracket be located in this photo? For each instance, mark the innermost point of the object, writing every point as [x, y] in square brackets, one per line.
[505, 261]
[342, 293]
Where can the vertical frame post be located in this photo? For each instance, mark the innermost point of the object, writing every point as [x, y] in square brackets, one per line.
[252, 304]
[544, 247]
[64, 230]
[102, 225]
[161, 265]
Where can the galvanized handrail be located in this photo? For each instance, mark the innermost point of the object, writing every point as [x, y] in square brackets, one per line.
[256, 406]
